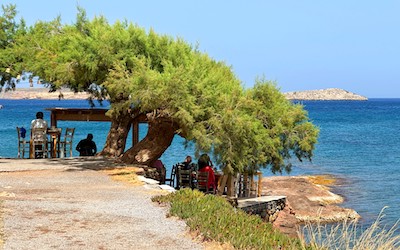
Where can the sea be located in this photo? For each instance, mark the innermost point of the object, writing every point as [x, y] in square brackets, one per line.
[359, 144]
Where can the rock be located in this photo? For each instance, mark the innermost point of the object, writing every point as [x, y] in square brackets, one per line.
[324, 95]
[306, 202]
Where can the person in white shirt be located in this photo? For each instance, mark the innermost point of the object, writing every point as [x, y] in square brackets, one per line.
[39, 123]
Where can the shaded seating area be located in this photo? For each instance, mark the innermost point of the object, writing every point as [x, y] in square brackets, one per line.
[61, 147]
[44, 142]
[241, 185]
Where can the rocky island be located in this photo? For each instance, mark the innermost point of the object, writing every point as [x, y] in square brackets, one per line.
[325, 95]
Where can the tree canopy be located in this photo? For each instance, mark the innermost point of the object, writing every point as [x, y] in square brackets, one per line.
[180, 90]
[10, 29]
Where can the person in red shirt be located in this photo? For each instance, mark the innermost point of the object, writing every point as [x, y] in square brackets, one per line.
[205, 165]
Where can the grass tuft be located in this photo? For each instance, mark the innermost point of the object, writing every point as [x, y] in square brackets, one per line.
[348, 236]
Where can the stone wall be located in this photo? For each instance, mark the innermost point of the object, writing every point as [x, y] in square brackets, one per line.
[267, 209]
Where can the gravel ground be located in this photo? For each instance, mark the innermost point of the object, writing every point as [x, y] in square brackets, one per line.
[69, 204]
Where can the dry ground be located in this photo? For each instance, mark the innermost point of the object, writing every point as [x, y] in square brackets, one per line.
[75, 204]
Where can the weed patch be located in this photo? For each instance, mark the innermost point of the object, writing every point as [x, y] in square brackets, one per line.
[216, 220]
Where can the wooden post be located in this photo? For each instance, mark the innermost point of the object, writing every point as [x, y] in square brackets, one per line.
[231, 186]
[252, 186]
[259, 184]
[53, 119]
[246, 187]
[222, 184]
[135, 133]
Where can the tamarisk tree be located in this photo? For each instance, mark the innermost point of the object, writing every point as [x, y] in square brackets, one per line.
[180, 91]
[9, 29]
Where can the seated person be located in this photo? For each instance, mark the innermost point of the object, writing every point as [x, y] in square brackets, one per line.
[39, 122]
[39, 135]
[87, 147]
[160, 169]
[187, 163]
[204, 163]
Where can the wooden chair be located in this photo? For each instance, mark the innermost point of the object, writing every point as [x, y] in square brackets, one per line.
[172, 178]
[22, 144]
[66, 142]
[39, 142]
[184, 178]
[202, 183]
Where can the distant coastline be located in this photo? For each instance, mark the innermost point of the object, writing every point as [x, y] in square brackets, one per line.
[43, 93]
[330, 94]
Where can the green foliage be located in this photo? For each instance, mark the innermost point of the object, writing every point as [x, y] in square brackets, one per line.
[217, 220]
[169, 80]
[10, 29]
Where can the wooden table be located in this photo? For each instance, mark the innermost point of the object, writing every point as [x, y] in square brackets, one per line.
[54, 134]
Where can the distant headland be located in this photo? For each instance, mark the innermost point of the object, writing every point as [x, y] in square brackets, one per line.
[43, 93]
[325, 95]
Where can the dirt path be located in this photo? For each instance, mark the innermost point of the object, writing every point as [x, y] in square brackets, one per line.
[69, 204]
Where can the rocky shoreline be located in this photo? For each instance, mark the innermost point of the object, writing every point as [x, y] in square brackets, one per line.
[309, 200]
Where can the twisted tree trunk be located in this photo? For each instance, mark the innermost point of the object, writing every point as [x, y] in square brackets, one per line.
[116, 138]
[121, 119]
[159, 137]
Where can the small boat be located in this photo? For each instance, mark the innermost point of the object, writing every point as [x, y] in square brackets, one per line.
[1, 106]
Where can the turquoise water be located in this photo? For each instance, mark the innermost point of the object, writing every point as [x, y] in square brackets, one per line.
[359, 143]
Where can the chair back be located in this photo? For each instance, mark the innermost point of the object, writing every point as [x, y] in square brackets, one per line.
[184, 178]
[39, 135]
[69, 135]
[171, 180]
[67, 141]
[39, 142]
[202, 181]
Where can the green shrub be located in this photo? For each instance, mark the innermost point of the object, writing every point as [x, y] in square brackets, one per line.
[217, 220]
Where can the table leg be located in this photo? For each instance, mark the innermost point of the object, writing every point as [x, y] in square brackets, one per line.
[31, 150]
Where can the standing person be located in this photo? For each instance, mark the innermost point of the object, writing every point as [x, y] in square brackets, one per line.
[205, 165]
[87, 147]
[39, 135]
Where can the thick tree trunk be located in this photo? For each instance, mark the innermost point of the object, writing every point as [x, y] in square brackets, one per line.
[159, 137]
[116, 138]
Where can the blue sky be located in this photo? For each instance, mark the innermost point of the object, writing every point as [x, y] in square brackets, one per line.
[302, 45]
